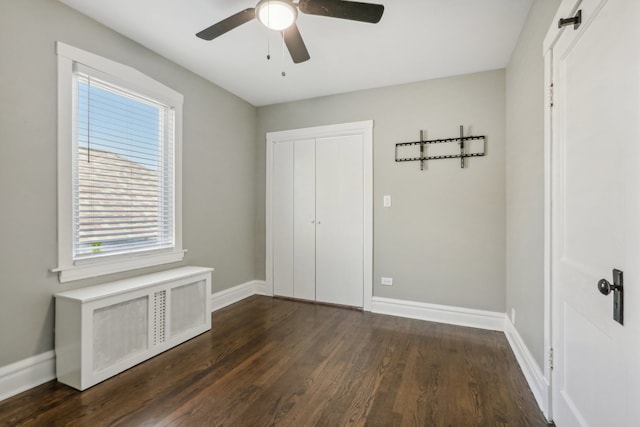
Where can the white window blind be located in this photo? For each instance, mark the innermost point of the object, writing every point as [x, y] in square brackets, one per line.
[123, 179]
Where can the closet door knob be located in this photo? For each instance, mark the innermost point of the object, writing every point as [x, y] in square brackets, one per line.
[318, 222]
[313, 221]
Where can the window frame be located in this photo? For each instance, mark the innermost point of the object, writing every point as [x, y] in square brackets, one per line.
[69, 269]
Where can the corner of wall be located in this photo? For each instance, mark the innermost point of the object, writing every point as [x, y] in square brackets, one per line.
[539, 385]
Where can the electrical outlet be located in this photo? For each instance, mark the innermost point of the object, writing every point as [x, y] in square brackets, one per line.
[513, 316]
[386, 201]
[387, 281]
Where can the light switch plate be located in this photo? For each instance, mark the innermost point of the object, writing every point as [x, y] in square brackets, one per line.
[387, 281]
[386, 201]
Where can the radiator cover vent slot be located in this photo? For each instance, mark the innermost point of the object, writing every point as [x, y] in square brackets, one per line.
[159, 316]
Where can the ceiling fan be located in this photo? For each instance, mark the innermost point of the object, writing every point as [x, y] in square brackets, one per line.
[280, 15]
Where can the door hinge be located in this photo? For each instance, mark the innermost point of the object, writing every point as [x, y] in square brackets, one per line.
[550, 95]
[550, 358]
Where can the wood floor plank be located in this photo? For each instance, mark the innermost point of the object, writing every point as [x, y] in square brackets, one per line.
[277, 362]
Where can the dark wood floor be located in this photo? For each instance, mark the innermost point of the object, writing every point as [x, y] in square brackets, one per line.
[275, 362]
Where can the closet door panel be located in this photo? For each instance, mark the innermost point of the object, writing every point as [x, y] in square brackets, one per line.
[283, 218]
[304, 216]
[340, 221]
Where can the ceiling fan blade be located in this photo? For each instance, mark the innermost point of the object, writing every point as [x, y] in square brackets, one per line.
[295, 44]
[354, 11]
[228, 24]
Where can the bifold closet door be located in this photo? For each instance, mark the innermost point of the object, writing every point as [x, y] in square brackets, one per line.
[340, 220]
[304, 219]
[318, 220]
[283, 153]
[294, 219]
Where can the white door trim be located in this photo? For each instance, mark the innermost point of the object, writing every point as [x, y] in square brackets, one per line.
[548, 325]
[566, 8]
[364, 128]
[549, 41]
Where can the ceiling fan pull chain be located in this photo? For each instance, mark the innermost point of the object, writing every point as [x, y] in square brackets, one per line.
[283, 44]
[268, 45]
[267, 26]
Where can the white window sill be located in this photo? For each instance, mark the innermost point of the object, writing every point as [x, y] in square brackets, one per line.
[84, 271]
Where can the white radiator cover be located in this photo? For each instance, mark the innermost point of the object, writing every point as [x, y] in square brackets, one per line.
[103, 330]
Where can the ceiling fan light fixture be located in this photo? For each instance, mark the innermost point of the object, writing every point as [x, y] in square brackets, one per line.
[276, 14]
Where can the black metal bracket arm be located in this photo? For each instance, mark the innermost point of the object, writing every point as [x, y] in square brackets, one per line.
[575, 21]
[462, 154]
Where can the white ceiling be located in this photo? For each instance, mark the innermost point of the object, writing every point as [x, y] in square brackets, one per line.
[415, 40]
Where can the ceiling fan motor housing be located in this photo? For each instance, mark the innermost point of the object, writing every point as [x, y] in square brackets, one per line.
[276, 14]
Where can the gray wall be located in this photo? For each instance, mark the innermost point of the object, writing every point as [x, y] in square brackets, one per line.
[443, 241]
[218, 179]
[525, 178]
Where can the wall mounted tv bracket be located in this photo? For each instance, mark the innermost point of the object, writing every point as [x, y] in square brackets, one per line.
[460, 154]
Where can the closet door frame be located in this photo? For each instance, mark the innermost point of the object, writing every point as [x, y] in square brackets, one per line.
[363, 128]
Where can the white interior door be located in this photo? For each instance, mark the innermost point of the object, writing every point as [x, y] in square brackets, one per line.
[596, 214]
[339, 220]
[283, 218]
[304, 220]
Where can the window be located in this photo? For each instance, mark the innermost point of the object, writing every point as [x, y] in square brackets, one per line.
[123, 182]
[119, 168]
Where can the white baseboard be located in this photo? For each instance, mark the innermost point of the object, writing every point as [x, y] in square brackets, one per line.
[533, 374]
[26, 374]
[490, 320]
[237, 293]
